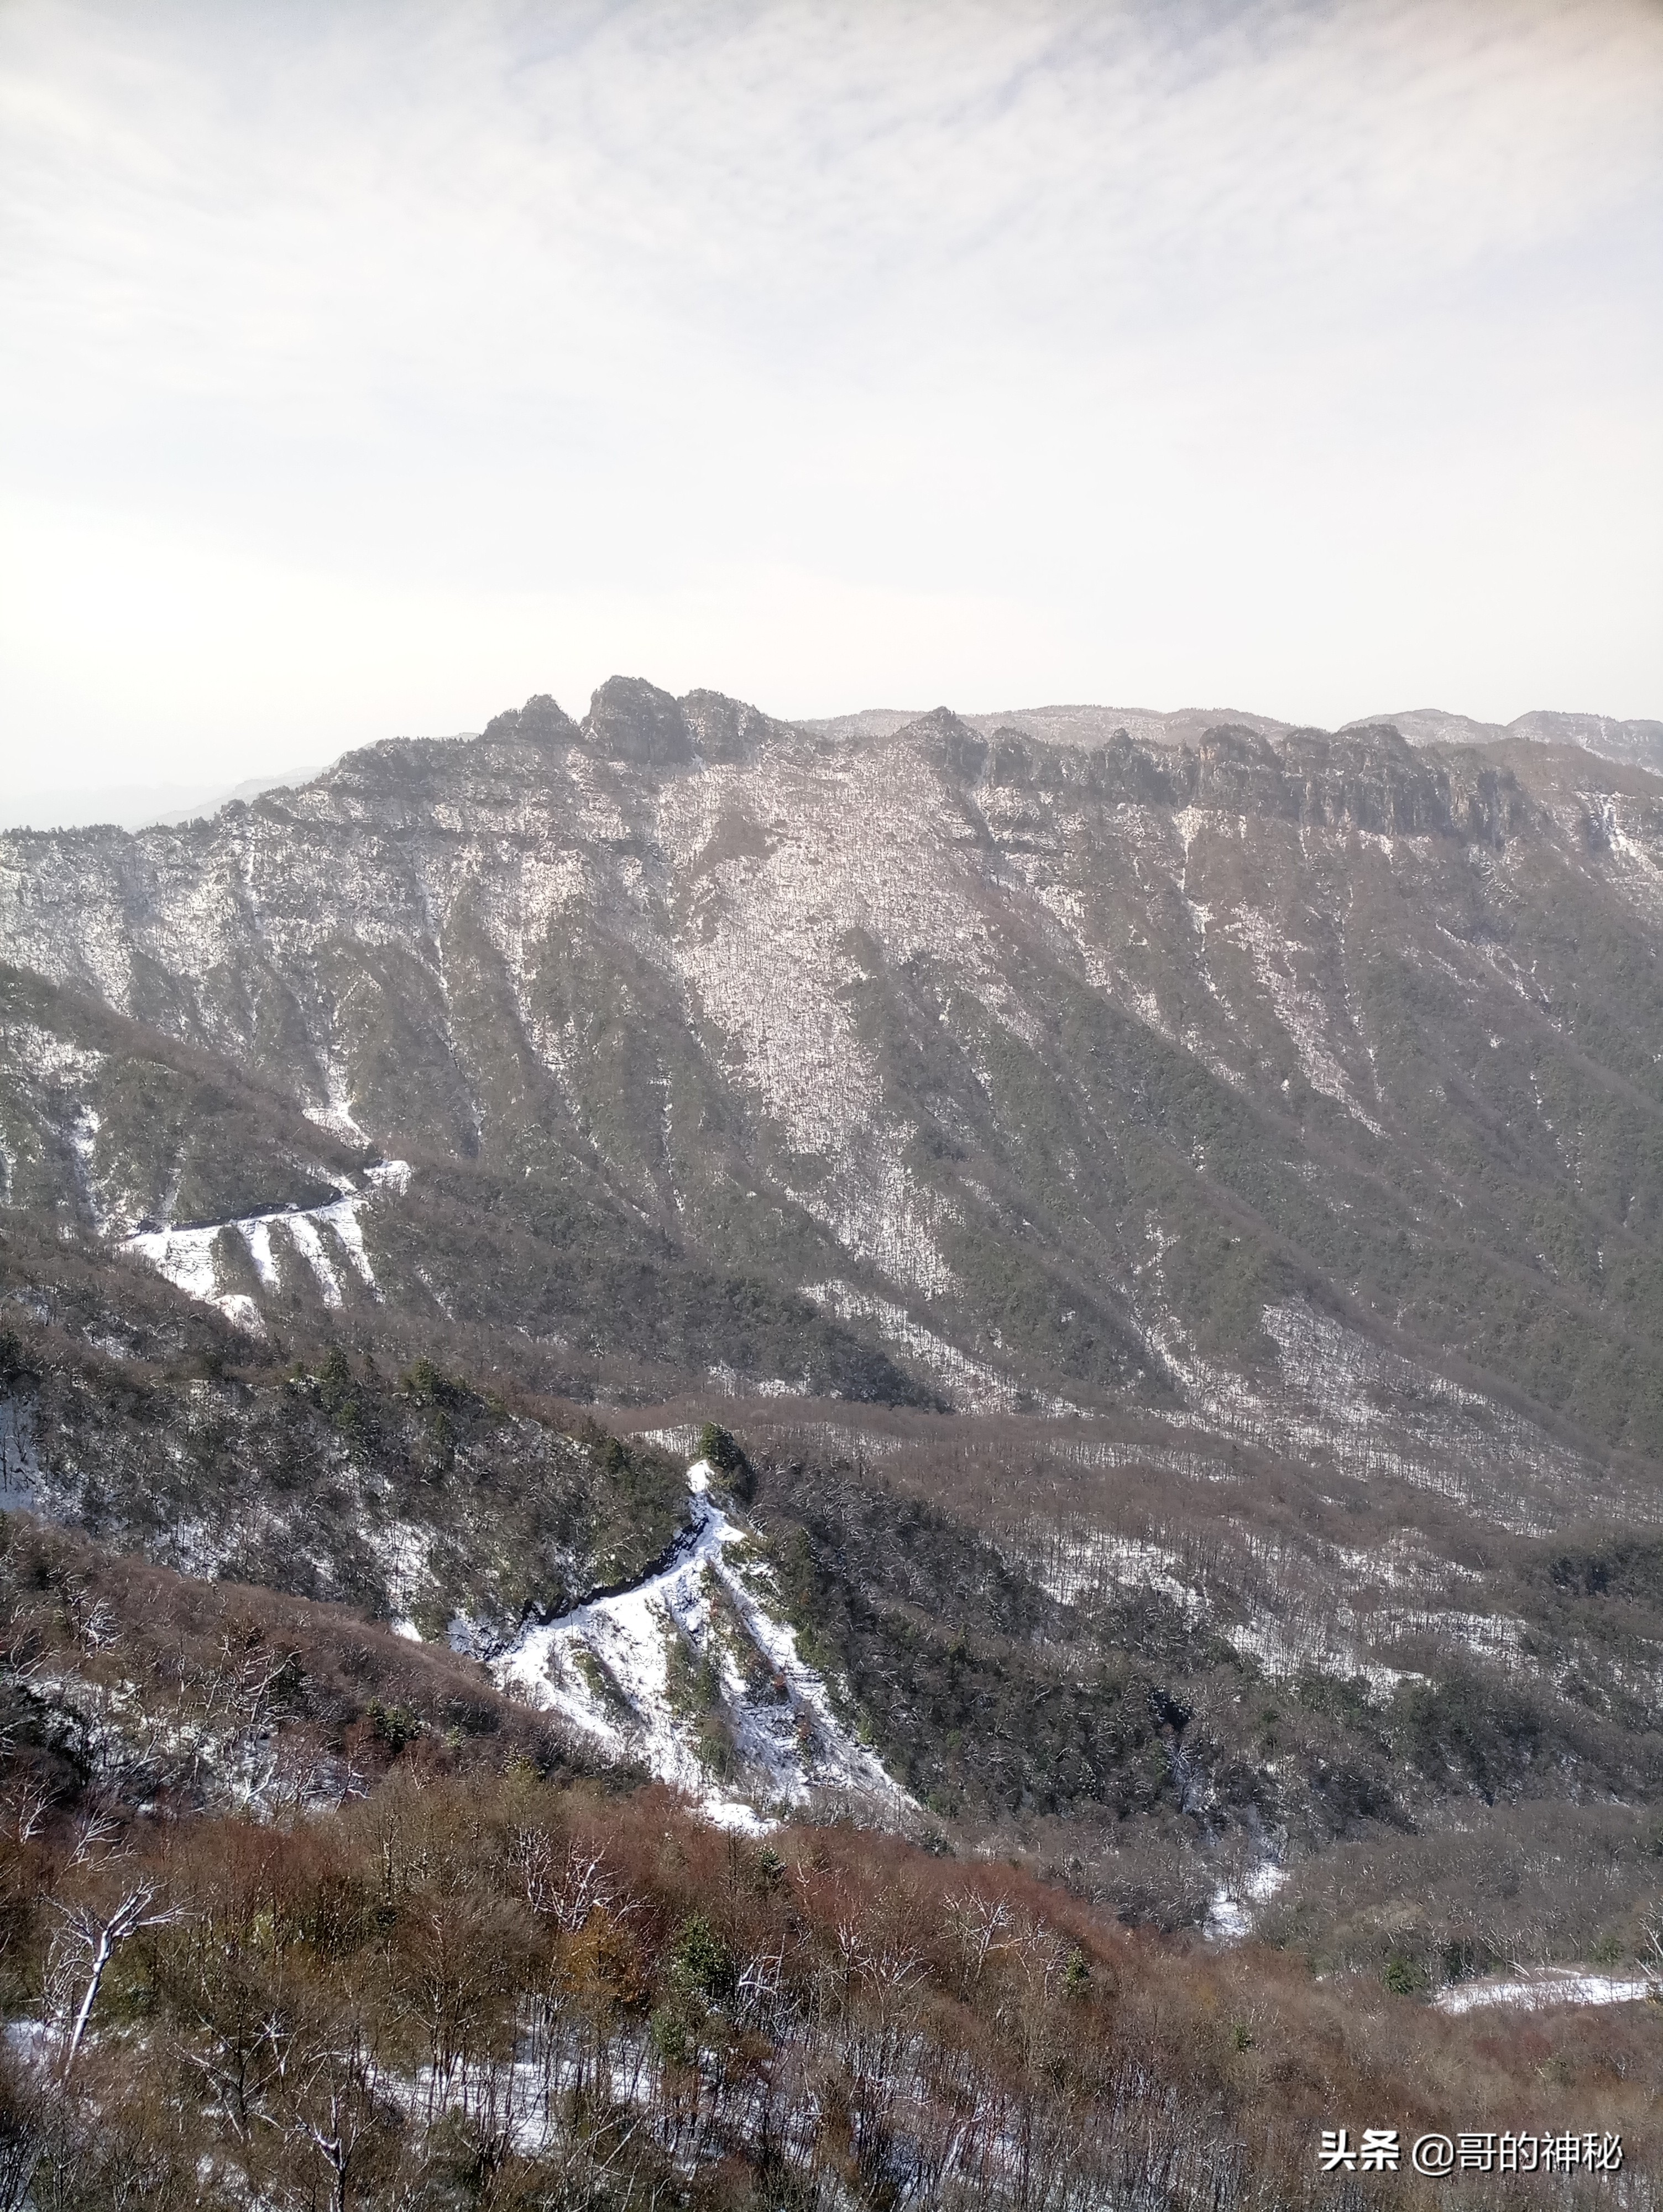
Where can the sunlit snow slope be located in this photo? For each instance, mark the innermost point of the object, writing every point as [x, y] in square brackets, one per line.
[693, 1672]
[321, 1239]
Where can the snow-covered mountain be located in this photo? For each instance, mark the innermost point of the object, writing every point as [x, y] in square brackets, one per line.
[1172, 1209]
[976, 1068]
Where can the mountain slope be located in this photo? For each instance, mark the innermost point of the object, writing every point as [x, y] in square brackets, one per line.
[1053, 1069]
[1261, 1136]
[692, 1670]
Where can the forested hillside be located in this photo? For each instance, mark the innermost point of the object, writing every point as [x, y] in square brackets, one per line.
[440, 1967]
[868, 1466]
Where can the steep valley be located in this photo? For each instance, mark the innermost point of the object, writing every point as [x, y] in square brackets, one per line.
[1146, 1244]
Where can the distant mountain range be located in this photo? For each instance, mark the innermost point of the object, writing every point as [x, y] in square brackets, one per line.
[139, 806]
[954, 1062]
[131, 806]
[1640, 743]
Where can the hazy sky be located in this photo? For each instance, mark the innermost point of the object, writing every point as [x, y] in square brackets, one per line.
[367, 366]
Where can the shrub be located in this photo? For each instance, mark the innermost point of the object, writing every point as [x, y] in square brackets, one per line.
[728, 1461]
[701, 1964]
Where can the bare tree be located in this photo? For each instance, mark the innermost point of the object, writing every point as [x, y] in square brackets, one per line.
[1651, 1930]
[28, 1807]
[94, 1828]
[569, 1890]
[335, 2111]
[87, 1941]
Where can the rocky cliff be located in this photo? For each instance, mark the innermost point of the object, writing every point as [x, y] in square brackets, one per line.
[1009, 1072]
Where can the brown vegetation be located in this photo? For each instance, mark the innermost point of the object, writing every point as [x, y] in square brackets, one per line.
[449, 1971]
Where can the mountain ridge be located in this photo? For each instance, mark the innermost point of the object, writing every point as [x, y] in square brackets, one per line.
[1638, 742]
[1173, 1231]
[899, 1024]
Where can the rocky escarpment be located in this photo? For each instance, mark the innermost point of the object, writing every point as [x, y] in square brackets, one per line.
[1637, 744]
[1369, 779]
[942, 1059]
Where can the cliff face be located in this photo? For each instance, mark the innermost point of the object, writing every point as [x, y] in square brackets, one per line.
[1628, 743]
[951, 1061]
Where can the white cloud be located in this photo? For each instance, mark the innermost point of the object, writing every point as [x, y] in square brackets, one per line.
[369, 367]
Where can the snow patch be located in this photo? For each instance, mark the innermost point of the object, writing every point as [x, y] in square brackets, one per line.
[971, 1384]
[403, 1550]
[1548, 1986]
[335, 1113]
[191, 1258]
[693, 1670]
[1088, 1569]
[1371, 1413]
[19, 1466]
[1230, 1915]
[1300, 1011]
[733, 1385]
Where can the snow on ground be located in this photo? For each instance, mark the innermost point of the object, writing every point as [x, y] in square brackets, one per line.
[793, 865]
[335, 1112]
[684, 1437]
[403, 1550]
[733, 1385]
[970, 1384]
[19, 1466]
[1088, 1568]
[1371, 1412]
[1284, 1647]
[1230, 1915]
[1298, 1009]
[1538, 1990]
[693, 1657]
[190, 1258]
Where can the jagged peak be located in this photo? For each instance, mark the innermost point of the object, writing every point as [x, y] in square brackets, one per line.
[949, 739]
[727, 729]
[939, 721]
[541, 720]
[1237, 741]
[631, 720]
